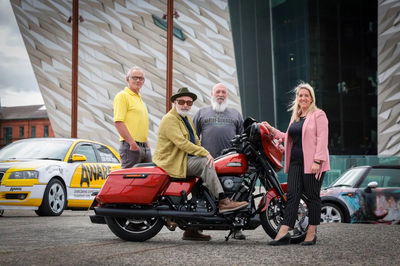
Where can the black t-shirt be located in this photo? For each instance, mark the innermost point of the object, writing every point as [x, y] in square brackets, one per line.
[295, 132]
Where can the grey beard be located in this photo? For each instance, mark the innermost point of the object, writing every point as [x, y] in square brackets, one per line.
[183, 112]
[218, 107]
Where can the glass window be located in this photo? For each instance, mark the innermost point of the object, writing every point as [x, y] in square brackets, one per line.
[88, 151]
[7, 135]
[46, 131]
[35, 149]
[21, 131]
[349, 178]
[383, 176]
[106, 156]
[33, 131]
[163, 25]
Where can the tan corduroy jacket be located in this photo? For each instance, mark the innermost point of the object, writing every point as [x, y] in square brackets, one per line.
[174, 146]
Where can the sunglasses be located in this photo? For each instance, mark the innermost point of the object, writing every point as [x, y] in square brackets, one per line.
[182, 102]
[137, 78]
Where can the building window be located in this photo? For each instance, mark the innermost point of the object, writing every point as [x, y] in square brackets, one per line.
[21, 131]
[163, 25]
[7, 135]
[33, 132]
[46, 131]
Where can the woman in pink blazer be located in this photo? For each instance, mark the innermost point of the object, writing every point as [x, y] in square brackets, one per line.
[306, 161]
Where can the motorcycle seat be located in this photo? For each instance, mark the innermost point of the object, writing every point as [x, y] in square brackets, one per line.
[144, 164]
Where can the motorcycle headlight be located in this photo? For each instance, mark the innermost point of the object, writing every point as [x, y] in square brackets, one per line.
[29, 174]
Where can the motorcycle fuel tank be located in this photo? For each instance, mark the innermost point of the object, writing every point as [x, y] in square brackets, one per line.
[231, 164]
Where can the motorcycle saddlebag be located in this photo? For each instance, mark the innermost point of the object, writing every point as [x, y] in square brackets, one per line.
[140, 185]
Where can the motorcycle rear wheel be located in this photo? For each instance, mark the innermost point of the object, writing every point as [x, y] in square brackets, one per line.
[134, 229]
[272, 218]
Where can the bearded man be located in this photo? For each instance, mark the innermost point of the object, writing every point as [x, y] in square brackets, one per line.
[217, 124]
[180, 154]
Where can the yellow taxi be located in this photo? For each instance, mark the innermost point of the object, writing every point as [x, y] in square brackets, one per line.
[48, 175]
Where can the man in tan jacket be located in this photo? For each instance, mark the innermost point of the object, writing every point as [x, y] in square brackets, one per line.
[180, 154]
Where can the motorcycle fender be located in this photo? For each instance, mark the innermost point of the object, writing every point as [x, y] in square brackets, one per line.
[272, 193]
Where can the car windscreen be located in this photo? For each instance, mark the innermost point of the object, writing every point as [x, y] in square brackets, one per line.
[36, 149]
[349, 178]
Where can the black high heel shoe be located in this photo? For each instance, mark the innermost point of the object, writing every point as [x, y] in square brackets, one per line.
[310, 243]
[285, 240]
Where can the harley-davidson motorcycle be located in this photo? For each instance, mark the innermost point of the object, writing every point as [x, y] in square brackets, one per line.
[137, 202]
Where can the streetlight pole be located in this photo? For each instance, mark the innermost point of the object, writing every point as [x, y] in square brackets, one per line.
[74, 68]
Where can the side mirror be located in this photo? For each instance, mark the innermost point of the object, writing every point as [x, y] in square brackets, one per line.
[78, 158]
[370, 186]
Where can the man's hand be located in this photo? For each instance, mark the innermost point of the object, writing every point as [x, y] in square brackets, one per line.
[133, 146]
[210, 161]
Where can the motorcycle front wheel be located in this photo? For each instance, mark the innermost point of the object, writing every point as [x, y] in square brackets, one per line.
[134, 229]
[272, 218]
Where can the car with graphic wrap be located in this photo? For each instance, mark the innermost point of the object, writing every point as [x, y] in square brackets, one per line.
[49, 175]
[364, 194]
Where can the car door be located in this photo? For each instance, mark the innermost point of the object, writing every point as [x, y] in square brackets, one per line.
[381, 204]
[90, 175]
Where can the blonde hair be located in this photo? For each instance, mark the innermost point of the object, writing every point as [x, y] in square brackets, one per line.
[294, 106]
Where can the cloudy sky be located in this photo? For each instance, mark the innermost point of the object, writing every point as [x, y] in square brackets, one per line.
[18, 85]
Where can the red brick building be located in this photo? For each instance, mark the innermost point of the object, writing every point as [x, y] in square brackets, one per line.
[21, 122]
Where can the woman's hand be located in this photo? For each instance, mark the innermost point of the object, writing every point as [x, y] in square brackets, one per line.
[315, 168]
[267, 125]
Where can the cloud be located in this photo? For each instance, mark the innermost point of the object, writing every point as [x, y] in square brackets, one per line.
[17, 80]
[20, 98]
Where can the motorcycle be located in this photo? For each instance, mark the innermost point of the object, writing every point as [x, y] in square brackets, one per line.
[137, 202]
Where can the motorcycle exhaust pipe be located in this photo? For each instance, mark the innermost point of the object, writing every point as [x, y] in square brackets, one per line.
[103, 211]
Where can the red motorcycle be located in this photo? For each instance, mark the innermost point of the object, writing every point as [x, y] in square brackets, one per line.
[137, 202]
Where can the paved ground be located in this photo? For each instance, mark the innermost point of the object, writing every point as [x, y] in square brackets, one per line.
[26, 239]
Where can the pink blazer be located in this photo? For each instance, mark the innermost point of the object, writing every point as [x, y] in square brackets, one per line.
[315, 142]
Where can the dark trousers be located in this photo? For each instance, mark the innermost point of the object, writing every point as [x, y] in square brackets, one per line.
[300, 183]
[130, 158]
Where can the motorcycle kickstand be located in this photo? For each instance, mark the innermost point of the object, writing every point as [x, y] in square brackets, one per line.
[229, 235]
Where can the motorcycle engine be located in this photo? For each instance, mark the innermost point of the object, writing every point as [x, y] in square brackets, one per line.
[231, 184]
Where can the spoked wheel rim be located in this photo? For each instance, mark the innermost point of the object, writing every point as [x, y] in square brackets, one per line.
[136, 225]
[56, 198]
[275, 218]
[330, 214]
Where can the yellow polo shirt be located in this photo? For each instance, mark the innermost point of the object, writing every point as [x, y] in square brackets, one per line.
[130, 109]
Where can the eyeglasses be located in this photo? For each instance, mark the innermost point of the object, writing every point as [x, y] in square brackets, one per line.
[137, 78]
[182, 102]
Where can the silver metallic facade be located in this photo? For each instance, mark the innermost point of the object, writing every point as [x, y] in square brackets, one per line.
[116, 35]
[389, 77]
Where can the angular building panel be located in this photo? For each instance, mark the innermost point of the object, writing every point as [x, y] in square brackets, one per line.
[388, 78]
[114, 36]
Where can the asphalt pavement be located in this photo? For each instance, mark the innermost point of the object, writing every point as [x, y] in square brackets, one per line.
[71, 239]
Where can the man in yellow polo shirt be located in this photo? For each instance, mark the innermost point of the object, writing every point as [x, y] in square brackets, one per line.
[132, 121]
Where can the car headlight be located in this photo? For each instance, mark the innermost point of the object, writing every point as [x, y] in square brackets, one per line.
[29, 174]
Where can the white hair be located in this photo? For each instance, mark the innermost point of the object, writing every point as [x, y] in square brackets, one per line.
[128, 74]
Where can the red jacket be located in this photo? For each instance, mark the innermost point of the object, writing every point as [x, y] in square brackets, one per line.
[314, 142]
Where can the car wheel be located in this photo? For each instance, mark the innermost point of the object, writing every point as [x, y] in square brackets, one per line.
[54, 199]
[331, 213]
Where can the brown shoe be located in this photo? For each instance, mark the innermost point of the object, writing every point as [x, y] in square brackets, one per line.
[226, 205]
[195, 235]
[171, 225]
